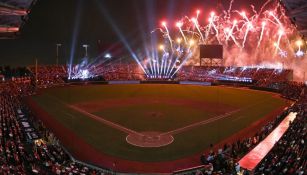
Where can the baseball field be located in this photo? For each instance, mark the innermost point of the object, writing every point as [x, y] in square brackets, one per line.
[155, 123]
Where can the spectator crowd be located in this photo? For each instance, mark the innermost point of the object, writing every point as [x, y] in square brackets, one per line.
[24, 154]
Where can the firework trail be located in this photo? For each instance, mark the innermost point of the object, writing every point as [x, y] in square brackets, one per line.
[261, 34]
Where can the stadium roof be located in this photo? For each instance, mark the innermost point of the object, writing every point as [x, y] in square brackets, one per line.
[13, 14]
[297, 12]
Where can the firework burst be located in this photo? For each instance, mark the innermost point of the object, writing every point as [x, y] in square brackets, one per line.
[266, 33]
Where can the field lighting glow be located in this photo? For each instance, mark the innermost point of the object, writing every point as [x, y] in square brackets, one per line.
[107, 55]
[85, 74]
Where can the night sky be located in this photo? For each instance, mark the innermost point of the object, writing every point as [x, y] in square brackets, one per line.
[54, 21]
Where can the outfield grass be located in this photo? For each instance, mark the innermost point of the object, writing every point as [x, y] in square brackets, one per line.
[253, 104]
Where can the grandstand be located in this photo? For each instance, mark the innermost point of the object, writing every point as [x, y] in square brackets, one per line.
[162, 115]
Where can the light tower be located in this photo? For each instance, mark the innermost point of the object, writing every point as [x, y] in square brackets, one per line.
[57, 53]
[85, 46]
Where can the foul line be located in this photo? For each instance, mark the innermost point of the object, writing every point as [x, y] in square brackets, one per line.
[179, 130]
[107, 122]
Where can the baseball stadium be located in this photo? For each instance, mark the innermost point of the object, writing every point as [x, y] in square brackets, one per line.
[187, 87]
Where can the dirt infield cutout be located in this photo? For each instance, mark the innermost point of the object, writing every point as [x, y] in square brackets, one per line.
[149, 139]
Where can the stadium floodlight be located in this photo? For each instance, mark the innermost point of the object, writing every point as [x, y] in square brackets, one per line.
[85, 46]
[107, 55]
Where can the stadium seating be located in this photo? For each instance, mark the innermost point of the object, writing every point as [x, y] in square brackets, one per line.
[19, 155]
[49, 76]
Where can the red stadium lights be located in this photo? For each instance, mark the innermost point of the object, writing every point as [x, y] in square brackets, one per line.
[8, 29]
[12, 11]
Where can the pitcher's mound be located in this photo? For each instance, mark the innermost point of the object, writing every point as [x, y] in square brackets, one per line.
[149, 139]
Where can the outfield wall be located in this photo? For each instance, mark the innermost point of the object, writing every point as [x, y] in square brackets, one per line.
[195, 83]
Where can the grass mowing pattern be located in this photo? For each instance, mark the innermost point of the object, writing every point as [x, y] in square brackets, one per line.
[254, 105]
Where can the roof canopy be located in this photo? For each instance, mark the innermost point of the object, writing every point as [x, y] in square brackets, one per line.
[297, 12]
[13, 14]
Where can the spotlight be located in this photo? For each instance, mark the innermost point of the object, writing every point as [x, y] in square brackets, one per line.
[107, 55]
